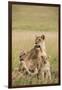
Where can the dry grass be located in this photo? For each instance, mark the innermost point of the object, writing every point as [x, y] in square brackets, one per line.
[25, 40]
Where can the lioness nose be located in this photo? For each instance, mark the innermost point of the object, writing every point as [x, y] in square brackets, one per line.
[35, 42]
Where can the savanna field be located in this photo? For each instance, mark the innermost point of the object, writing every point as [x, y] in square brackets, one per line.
[27, 22]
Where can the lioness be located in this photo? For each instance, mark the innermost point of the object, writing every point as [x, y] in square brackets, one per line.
[36, 59]
[33, 57]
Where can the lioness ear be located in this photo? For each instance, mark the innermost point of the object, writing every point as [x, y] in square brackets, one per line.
[36, 36]
[43, 37]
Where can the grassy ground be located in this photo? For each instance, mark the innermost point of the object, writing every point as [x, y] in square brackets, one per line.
[28, 21]
[25, 40]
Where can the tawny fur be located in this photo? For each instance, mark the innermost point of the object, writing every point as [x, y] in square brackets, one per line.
[36, 59]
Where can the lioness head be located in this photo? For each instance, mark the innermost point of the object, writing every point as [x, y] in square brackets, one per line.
[39, 39]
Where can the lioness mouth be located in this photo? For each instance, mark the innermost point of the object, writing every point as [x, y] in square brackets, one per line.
[37, 46]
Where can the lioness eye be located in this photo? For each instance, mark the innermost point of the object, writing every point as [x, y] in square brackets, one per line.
[39, 39]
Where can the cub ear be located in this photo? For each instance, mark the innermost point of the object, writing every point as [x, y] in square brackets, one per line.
[43, 37]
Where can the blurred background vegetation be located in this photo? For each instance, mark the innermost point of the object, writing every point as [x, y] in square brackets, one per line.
[42, 18]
